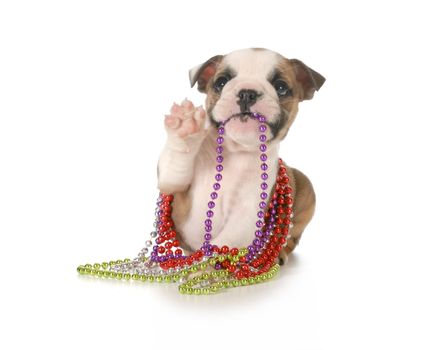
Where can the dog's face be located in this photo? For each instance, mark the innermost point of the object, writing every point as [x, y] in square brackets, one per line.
[254, 80]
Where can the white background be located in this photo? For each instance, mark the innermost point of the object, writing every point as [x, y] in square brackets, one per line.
[84, 86]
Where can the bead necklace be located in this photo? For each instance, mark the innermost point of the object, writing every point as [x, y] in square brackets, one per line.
[230, 267]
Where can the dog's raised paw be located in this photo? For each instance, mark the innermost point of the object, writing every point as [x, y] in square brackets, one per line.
[185, 119]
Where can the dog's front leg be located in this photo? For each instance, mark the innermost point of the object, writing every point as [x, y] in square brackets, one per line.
[185, 133]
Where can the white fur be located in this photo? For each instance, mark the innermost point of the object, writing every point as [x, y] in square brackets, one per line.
[191, 161]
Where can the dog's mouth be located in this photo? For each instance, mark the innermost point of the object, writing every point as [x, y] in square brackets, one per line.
[275, 127]
[242, 116]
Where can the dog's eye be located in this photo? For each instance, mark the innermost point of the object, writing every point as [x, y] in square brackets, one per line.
[220, 83]
[281, 88]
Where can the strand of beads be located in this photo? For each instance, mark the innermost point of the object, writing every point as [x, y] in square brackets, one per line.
[240, 268]
[281, 207]
[232, 267]
[207, 248]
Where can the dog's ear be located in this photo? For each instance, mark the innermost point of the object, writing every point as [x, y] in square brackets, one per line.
[309, 80]
[202, 73]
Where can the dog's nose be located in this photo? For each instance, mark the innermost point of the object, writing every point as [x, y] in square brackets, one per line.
[247, 98]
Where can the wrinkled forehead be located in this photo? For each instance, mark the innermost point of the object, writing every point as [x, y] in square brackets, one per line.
[252, 62]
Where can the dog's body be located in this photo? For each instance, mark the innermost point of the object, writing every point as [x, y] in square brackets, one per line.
[238, 84]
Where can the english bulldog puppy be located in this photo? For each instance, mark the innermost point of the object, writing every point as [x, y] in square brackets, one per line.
[236, 85]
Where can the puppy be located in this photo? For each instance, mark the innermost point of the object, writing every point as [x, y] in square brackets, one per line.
[236, 85]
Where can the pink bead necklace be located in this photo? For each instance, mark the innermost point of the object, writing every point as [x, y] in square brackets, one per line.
[211, 268]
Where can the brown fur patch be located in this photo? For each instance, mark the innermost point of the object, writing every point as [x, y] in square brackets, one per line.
[288, 104]
[212, 95]
[303, 206]
[205, 72]
[307, 79]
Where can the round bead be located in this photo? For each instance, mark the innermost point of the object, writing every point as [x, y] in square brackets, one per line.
[263, 147]
[219, 168]
[218, 177]
[211, 204]
[262, 138]
[262, 128]
[214, 195]
[231, 268]
[220, 140]
[263, 157]
[234, 251]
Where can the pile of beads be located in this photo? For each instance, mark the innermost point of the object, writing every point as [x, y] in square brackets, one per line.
[212, 268]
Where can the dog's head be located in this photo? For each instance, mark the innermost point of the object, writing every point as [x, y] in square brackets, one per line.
[254, 80]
